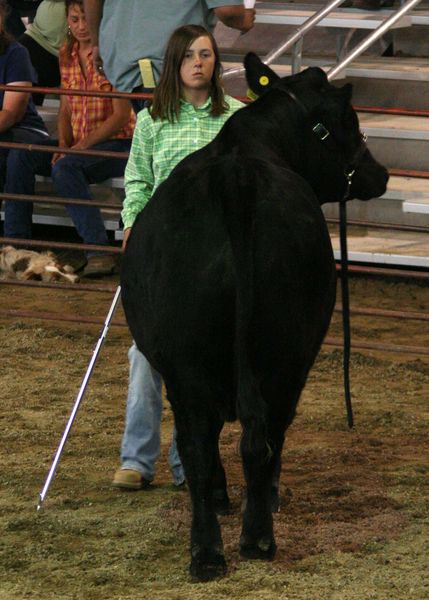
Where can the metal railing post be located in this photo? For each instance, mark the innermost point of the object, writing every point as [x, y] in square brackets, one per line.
[371, 38]
[296, 38]
[297, 56]
[291, 40]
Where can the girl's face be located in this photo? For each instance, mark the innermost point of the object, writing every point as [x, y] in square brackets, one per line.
[198, 65]
[77, 23]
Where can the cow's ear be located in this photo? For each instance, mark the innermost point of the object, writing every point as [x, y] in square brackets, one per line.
[347, 91]
[259, 76]
[316, 78]
[344, 93]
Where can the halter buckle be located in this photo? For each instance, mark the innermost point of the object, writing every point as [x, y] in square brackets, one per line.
[321, 131]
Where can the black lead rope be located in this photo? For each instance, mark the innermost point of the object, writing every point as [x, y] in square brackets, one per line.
[324, 136]
[345, 303]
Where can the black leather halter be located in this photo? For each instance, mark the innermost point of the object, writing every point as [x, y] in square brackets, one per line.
[324, 135]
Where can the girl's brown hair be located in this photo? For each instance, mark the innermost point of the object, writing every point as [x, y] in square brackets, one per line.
[167, 94]
[5, 37]
[70, 39]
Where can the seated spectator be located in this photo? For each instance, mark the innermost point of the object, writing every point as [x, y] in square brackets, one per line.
[83, 123]
[19, 121]
[43, 39]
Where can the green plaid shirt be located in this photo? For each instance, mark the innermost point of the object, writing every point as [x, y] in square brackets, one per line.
[158, 146]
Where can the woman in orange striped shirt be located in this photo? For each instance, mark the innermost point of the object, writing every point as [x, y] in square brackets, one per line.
[83, 122]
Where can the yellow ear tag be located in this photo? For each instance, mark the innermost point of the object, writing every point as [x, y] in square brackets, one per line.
[264, 80]
[251, 95]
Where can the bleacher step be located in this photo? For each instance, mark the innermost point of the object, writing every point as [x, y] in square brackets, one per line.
[420, 206]
[399, 68]
[277, 14]
[394, 126]
[401, 248]
[407, 188]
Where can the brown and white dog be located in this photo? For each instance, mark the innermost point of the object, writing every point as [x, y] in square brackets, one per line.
[26, 264]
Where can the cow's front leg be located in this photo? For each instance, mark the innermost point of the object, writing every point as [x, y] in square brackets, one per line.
[197, 438]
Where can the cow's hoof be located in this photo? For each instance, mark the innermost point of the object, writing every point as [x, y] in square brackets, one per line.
[262, 549]
[207, 565]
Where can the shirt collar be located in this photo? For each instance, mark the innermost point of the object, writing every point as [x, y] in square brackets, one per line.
[74, 53]
[199, 110]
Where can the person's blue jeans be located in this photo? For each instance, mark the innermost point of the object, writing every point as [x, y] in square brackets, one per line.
[20, 135]
[71, 177]
[141, 442]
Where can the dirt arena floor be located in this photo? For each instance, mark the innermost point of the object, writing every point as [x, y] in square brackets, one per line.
[354, 518]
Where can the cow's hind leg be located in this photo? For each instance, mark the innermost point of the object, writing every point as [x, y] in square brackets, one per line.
[275, 485]
[197, 438]
[257, 537]
[262, 472]
[220, 493]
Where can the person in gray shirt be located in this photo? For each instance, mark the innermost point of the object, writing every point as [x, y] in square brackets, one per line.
[124, 32]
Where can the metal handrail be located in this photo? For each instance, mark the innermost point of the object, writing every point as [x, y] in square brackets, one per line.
[372, 37]
[291, 40]
[63, 150]
[312, 21]
[37, 89]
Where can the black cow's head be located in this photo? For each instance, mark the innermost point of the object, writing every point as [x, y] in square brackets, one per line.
[333, 156]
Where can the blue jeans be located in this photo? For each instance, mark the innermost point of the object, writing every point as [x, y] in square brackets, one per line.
[17, 134]
[71, 178]
[141, 442]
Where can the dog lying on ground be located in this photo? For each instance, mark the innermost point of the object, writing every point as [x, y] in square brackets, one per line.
[27, 264]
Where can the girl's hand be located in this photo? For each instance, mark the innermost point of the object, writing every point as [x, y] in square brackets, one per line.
[126, 236]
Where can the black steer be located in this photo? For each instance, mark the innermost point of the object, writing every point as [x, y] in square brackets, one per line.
[229, 285]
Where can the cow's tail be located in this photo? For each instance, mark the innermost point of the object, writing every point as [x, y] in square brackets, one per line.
[250, 406]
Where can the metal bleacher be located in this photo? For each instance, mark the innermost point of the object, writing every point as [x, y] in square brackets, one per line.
[400, 141]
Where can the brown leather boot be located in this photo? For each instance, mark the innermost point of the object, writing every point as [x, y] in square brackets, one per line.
[129, 479]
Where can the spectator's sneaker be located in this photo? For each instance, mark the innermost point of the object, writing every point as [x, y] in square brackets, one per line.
[97, 266]
[129, 479]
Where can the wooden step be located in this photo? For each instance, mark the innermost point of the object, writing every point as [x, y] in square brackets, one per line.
[396, 68]
[420, 206]
[385, 247]
[394, 126]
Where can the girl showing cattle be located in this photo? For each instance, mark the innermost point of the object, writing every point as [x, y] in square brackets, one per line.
[189, 108]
